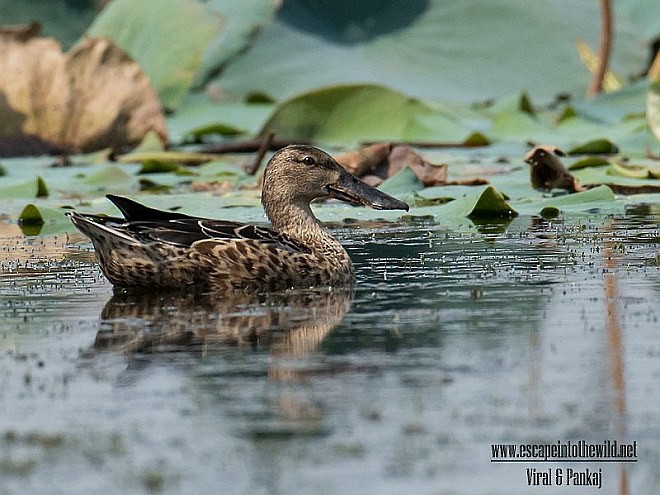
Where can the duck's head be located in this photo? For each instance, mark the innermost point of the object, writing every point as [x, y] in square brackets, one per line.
[298, 174]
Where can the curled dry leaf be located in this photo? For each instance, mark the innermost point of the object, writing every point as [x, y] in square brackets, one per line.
[378, 161]
[93, 97]
[548, 172]
[427, 173]
[366, 159]
[216, 188]
[629, 189]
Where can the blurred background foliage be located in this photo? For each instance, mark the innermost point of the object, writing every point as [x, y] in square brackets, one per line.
[501, 74]
[467, 52]
[453, 49]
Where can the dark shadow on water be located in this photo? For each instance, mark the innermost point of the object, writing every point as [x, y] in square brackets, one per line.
[348, 22]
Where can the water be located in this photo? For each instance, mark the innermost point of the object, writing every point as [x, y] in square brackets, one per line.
[449, 343]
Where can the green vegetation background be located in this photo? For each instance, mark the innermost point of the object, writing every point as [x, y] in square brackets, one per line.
[341, 73]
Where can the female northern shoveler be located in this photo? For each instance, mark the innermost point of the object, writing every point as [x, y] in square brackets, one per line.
[154, 248]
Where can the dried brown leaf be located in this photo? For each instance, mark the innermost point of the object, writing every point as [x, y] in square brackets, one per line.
[629, 189]
[216, 187]
[428, 173]
[477, 181]
[366, 159]
[93, 97]
[378, 161]
[372, 180]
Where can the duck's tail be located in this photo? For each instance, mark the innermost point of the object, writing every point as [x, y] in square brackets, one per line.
[137, 212]
[99, 227]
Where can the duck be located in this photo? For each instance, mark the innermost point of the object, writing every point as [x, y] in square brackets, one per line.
[157, 249]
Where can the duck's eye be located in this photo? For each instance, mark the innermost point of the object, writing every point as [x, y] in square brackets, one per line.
[308, 160]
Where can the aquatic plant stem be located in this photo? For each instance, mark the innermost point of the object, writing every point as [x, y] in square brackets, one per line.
[605, 48]
[266, 142]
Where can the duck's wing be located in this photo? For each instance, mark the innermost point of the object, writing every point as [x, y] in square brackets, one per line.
[146, 225]
[224, 230]
[185, 232]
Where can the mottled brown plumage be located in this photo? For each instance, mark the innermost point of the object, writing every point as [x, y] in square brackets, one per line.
[154, 248]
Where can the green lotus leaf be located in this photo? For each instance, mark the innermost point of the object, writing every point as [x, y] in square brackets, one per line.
[168, 38]
[453, 49]
[598, 199]
[634, 171]
[595, 146]
[157, 167]
[351, 113]
[214, 129]
[30, 188]
[108, 178]
[402, 184]
[199, 112]
[38, 220]
[588, 161]
[241, 21]
[167, 157]
[475, 202]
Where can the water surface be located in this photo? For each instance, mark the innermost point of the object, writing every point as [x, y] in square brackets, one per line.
[450, 342]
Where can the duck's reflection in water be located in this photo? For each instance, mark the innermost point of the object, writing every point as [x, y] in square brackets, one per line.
[289, 324]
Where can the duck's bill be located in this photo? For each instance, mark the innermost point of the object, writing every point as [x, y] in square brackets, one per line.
[354, 191]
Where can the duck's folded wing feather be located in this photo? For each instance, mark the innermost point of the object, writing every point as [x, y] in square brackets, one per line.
[215, 229]
[185, 232]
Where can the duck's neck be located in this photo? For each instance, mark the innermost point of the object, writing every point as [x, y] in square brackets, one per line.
[297, 221]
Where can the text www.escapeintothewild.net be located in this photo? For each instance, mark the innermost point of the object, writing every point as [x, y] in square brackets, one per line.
[581, 451]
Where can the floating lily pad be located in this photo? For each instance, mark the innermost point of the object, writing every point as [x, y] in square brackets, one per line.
[614, 108]
[486, 202]
[589, 161]
[403, 184]
[157, 167]
[637, 174]
[167, 157]
[108, 178]
[476, 139]
[582, 203]
[634, 171]
[455, 203]
[33, 218]
[198, 111]
[353, 113]
[31, 188]
[595, 146]
[215, 129]
[567, 113]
